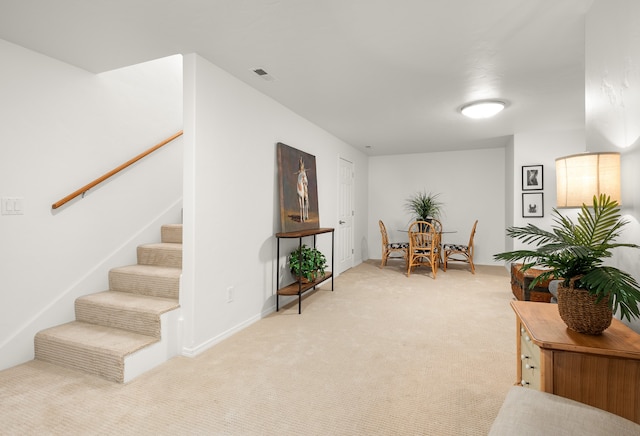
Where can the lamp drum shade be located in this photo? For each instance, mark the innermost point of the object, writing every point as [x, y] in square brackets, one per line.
[581, 176]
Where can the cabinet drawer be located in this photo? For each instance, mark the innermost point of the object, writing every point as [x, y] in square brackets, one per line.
[529, 361]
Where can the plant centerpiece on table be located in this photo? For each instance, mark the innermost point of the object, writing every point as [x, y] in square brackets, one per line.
[424, 206]
[308, 263]
[575, 253]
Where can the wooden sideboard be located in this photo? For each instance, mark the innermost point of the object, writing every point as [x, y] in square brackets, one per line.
[602, 371]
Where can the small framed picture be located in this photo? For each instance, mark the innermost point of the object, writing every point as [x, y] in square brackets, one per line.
[532, 205]
[532, 178]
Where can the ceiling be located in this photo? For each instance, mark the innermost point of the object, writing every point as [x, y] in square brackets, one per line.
[386, 76]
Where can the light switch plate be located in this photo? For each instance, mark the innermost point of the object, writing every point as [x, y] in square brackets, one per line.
[12, 205]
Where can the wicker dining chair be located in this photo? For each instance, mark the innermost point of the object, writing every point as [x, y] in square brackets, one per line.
[438, 229]
[424, 245]
[459, 252]
[391, 247]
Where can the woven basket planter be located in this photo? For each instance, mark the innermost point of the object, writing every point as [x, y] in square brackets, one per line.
[580, 312]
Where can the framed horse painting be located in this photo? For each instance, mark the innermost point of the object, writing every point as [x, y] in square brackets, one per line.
[298, 189]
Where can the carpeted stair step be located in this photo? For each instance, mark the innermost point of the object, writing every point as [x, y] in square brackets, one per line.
[129, 329]
[171, 233]
[91, 348]
[162, 254]
[126, 311]
[151, 280]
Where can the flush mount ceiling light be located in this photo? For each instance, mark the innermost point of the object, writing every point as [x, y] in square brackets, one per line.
[482, 109]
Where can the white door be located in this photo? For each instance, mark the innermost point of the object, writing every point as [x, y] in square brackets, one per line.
[344, 233]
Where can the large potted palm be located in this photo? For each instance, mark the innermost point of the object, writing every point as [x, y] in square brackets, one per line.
[590, 291]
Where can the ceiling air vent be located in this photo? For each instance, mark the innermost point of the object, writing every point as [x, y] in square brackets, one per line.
[263, 74]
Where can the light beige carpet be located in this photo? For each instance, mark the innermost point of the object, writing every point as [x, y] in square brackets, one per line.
[381, 355]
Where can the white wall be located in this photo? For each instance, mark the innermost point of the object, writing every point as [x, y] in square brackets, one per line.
[613, 107]
[481, 184]
[541, 148]
[510, 189]
[61, 128]
[231, 199]
[471, 186]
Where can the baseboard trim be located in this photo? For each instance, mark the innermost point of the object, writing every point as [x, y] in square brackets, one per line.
[194, 351]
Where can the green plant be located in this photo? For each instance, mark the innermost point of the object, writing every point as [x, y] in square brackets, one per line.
[424, 206]
[307, 262]
[577, 250]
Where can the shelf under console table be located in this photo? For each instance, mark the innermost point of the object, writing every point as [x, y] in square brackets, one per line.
[298, 288]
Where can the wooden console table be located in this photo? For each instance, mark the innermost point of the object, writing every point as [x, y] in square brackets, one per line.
[602, 371]
[298, 288]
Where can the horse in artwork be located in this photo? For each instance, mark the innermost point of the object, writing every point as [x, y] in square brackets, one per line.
[303, 191]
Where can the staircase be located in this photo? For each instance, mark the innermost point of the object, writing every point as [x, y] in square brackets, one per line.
[123, 332]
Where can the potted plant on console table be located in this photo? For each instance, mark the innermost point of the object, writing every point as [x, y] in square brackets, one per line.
[307, 263]
[590, 291]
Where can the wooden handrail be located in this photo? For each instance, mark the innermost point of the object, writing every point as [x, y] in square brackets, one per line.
[99, 180]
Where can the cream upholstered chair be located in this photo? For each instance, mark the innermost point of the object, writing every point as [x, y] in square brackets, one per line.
[459, 252]
[424, 245]
[391, 247]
